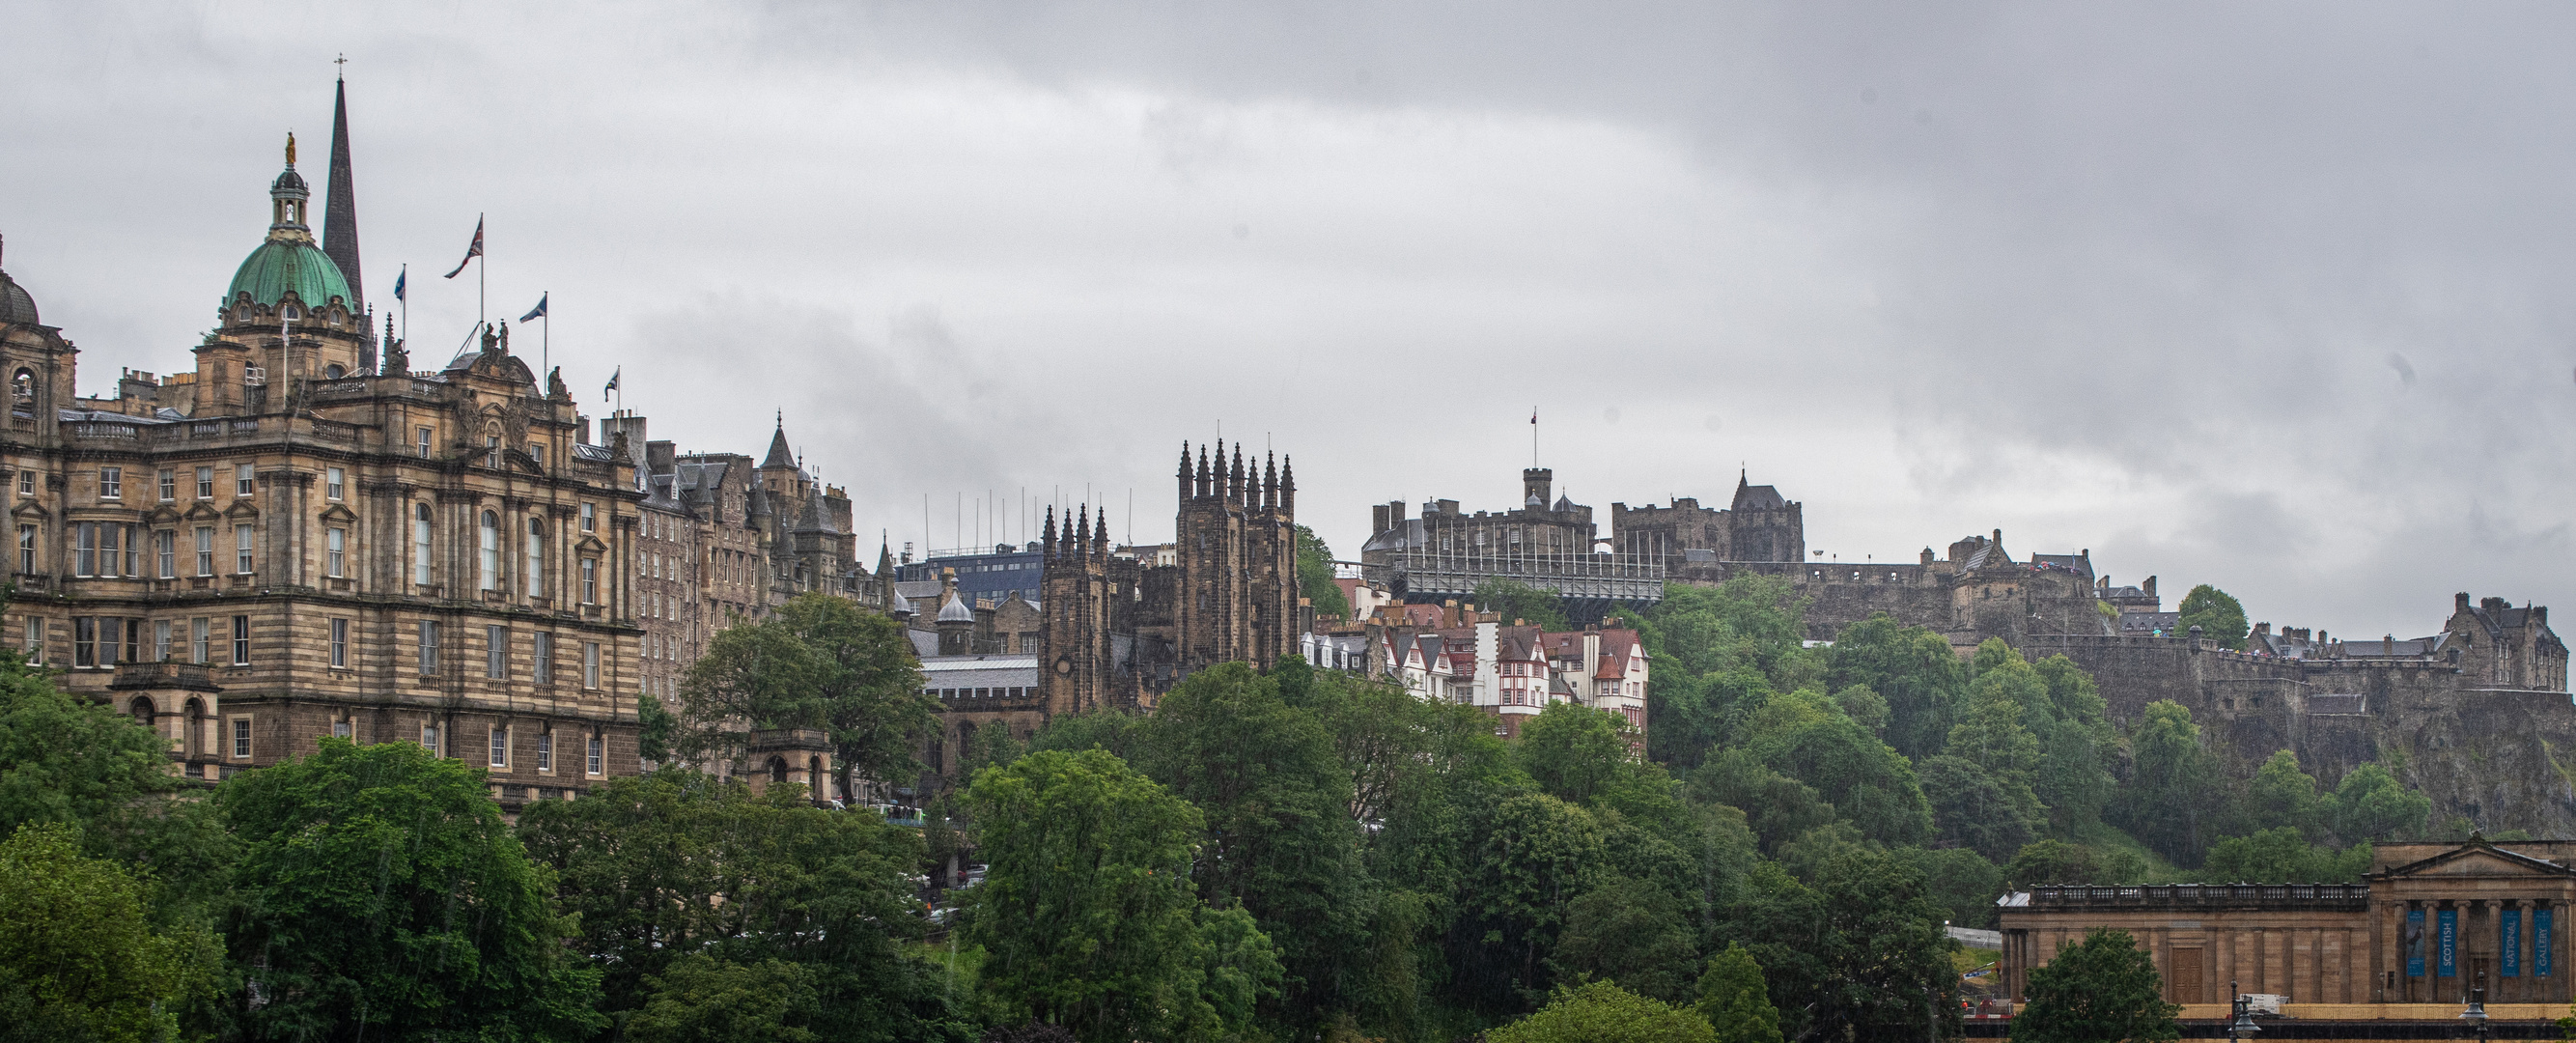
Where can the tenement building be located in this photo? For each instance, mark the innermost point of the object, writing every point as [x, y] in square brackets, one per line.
[287, 543]
[1446, 553]
[2428, 923]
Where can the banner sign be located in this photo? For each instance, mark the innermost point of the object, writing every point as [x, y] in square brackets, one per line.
[2509, 943]
[2446, 939]
[2415, 941]
[2542, 942]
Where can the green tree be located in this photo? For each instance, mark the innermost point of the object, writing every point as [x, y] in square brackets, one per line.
[2370, 804]
[1807, 737]
[2058, 862]
[2102, 988]
[1964, 882]
[79, 956]
[1856, 953]
[1913, 669]
[1599, 1012]
[1280, 843]
[2281, 795]
[1993, 730]
[2174, 783]
[1087, 914]
[1630, 932]
[1735, 1001]
[2283, 856]
[2220, 618]
[1520, 601]
[700, 999]
[1315, 577]
[1969, 808]
[1777, 808]
[379, 891]
[676, 865]
[818, 661]
[1533, 855]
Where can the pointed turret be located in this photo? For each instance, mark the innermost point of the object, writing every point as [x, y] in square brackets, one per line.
[1100, 537]
[1081, 524]
[1046, 538]
[779, 454]
[1184, 475]
[1270, 482]
[1234, 489]
[1288, 486]
[1203, 470]
[340, 203]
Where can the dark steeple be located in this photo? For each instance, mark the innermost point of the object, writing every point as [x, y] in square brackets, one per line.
[779, 454]
[340, 205]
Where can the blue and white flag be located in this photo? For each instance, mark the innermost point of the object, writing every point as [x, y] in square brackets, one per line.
[537, 312]
[612, 383]
[401, 278]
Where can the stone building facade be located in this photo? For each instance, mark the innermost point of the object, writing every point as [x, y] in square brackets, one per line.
[1759, 525]
[2428, 922]
[286, 544]
[1116, 627]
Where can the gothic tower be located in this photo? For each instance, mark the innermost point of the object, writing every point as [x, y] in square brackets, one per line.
[1235, 539]
[1076, 670]
[340, 204]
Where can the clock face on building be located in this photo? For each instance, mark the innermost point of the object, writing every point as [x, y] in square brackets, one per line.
[1063, 665]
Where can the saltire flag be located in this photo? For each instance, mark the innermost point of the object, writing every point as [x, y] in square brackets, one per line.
[612, 382]
[537, 312]
[399, 279]
[1533, 416]
[473, 251]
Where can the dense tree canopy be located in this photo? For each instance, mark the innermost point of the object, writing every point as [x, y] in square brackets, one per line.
[1315, 577]
[2102, 988]
[1088, 915]
[79, 956]
[819, 662]
[379, 891]
[2220, 618]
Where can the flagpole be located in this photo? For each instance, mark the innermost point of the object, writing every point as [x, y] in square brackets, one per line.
[546, 333]
[405, 301]
[482, 275]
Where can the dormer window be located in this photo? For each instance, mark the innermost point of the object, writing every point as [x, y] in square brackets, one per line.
[290, 312]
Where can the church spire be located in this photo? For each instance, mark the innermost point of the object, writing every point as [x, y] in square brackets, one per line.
[340, 204]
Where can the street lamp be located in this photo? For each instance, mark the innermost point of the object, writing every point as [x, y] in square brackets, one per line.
[2243, 1027]
[2476, 1015]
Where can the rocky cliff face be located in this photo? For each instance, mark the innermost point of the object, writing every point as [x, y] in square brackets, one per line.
[2501, 758]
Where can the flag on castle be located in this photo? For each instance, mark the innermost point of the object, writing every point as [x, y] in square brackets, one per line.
[400, 278]
[539, 311]
[612, 383]
[471, 252]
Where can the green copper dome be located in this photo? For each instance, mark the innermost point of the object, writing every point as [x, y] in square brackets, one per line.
[278, 266]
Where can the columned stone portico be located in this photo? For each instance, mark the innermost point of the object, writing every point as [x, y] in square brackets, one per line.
[2429, 922]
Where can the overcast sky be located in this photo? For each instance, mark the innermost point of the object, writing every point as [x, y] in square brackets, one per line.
[2275, 297]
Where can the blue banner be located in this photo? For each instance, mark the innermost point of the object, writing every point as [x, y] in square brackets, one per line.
[2446, 939]
[2415, 941]
[2541, 943]
[2509, 943]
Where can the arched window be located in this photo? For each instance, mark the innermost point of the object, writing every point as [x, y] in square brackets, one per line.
[778, 769]
[814, 776]
[420, 531]
[192, 743]
[291, 312]
[489, 539]
[536, 557]
[141, 709]
[24, 384]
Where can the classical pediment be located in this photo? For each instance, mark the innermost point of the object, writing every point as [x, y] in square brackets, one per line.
[241, 510]
[29, 509]
[2477, 858]
[203, 511]
[339, 513]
